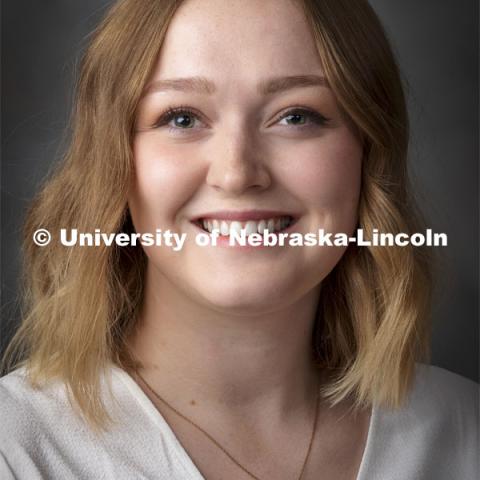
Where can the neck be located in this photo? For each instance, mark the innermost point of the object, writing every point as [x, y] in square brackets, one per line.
[231, 362]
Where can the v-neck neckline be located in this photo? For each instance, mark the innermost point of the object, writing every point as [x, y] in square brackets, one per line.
[184, 458]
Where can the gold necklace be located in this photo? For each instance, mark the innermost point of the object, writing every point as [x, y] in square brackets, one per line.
[248, 472]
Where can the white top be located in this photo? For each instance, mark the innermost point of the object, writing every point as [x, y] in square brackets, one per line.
[434, 437]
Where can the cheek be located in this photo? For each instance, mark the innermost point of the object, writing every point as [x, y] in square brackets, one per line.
[328, 172]
[165, 179]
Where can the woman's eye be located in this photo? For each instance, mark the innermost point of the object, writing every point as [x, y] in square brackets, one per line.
[183, 120]
[302, 117]
[179, 119]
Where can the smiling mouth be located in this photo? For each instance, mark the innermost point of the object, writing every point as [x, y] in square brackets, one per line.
[229, 227]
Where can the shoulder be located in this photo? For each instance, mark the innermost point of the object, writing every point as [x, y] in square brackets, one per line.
[18, 403]
[28, 412]
[42, 435]
[25, 411]
[446, 391]
[22, 412]
[36, 421]
[442, 404]
[433, 435]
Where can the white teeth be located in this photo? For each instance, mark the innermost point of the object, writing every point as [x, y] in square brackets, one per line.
[227, 228]
[262, 225]
[251, 227]
[224, 229]
[235, 228]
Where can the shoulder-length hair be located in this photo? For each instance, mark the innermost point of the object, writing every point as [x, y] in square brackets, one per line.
[81, 303]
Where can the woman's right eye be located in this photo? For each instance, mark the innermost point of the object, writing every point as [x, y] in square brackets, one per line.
[179, 119]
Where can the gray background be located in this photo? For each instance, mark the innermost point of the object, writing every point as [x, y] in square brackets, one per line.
[437, 46]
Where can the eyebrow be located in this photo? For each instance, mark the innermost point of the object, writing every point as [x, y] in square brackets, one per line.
[204, 86]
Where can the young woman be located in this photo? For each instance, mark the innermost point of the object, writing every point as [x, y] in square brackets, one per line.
[230, 362]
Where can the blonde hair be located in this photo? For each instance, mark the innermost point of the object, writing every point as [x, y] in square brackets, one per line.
[81, 304]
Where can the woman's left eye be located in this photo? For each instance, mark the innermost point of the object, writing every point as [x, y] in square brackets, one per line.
[301, 117]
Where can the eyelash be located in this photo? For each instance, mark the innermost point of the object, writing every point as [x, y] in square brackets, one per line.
[169, 114]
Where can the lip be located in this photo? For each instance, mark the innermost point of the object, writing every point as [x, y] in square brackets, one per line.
[243, 215]
[224, 242]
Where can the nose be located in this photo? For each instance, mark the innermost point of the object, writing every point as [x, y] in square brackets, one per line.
[236, 165]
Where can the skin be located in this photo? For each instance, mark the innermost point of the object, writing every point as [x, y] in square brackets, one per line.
[225, 333]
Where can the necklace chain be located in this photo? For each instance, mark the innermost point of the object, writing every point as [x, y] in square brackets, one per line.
[215, 442]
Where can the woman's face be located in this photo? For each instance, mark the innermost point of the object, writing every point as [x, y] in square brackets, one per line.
[237, 123]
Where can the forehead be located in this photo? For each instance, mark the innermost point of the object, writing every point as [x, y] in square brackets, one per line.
[238, 38]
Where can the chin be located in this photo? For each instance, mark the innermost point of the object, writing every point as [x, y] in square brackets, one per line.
[247, 298]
